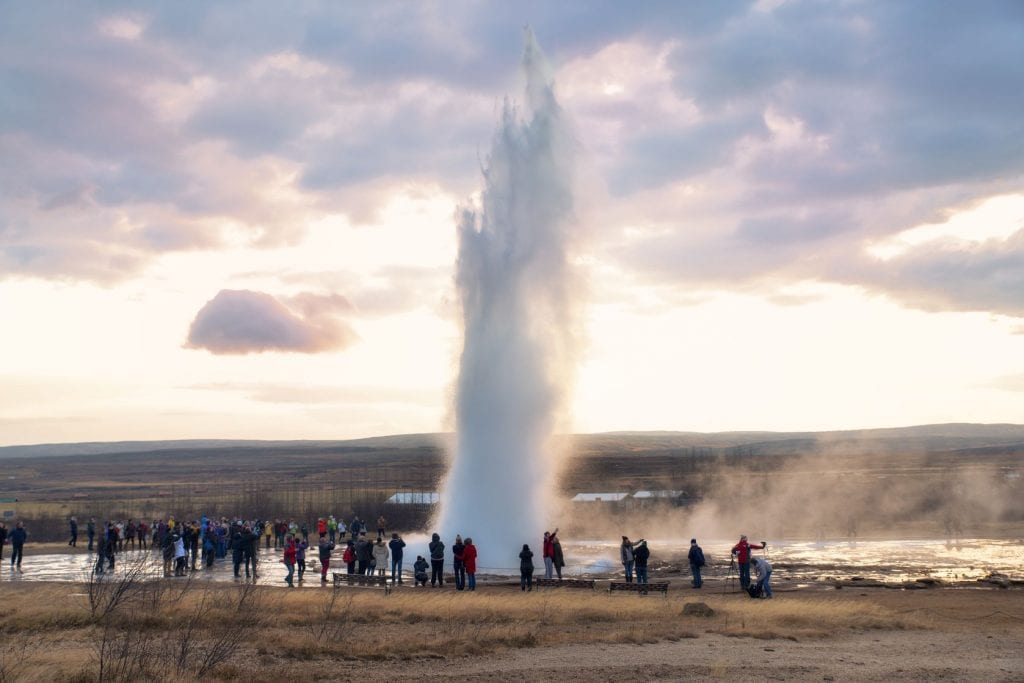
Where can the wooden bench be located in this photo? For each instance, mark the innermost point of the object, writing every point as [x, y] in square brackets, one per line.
[564, 583]
[362, 580]
[642, 588]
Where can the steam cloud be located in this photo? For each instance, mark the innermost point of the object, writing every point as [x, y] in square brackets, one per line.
[240, 321]
[513, 280]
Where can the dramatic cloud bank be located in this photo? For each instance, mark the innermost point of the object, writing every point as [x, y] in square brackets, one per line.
[775, 127]
[242, 321]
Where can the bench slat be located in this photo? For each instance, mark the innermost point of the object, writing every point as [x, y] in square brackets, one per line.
[565, 583]
[661, 587]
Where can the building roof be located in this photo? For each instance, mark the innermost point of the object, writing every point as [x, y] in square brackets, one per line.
[415, 498]
[658, 494]
[593, 497]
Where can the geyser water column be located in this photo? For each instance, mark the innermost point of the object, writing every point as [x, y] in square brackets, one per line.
[514, 284]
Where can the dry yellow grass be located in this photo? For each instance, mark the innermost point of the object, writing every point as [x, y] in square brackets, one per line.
[287, 626]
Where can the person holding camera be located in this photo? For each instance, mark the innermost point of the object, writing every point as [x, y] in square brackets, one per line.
[764, 575]
[741, 551]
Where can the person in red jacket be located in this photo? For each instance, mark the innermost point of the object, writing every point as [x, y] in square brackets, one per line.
[290, 551]
[469, 559]
[548, 553]
[741, 551]
[321, 527]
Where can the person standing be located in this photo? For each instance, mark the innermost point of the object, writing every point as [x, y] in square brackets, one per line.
[73, 529]
[101, 553]
[548, 553]
[696, 558]
[382, 525]
[557, 559]
[237, 549]
[380, 557]
[526, 568]
[641, 553]
[764, 576]
[364, 554]
[268, 532]
[332, 528]
[349, 557]
[290, 551]
[626, 556]
[469, 558]
[90, 531]
[325, 549]
[436, 548]
[458, 563]
[300, 557]
[250, 548]
[179, 553]
[3, 539]
[396, 546]
[18, 537]
[742, 553]
[110, 546]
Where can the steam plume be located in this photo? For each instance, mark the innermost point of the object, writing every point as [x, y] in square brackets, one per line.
[513, 280]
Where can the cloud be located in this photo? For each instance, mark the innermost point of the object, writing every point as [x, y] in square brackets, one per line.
[244, 321]
[950, 274]
[802, 129]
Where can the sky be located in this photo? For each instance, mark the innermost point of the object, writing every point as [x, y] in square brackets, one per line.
[238, 219]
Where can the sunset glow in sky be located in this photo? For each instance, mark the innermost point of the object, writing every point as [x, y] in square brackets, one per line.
[237, 220]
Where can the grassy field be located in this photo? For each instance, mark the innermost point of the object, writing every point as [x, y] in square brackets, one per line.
[165, 631]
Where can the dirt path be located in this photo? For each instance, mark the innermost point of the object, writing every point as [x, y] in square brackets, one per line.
[863, 657]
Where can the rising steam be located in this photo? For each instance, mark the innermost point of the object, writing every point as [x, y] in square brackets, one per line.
[513, 280]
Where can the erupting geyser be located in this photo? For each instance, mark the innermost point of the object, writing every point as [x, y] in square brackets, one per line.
[513, 281]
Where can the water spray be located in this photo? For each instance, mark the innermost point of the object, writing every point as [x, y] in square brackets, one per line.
[513, 283]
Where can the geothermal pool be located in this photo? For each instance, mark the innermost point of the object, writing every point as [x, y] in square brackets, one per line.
[796, 563]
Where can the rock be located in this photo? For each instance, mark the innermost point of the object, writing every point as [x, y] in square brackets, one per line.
[698, 609]
[996, 580]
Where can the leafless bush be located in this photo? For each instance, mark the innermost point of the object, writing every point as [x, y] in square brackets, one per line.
[123, 653]
[107, 593]
[194, 647]
[330, 617]
[14, 653]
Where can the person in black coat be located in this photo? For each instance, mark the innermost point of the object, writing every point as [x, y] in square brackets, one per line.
[18, 537]
[526, 568]
[696, 558]
[436, 560]
[641, 553]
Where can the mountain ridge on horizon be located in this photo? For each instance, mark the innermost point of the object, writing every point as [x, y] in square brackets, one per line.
[959, 435]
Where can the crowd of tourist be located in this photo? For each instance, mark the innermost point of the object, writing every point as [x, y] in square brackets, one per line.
[190, 545]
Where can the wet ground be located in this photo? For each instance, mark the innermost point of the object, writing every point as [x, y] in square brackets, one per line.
[795, 562]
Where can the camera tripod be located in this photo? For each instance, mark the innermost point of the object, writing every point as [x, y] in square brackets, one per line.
[731, 577]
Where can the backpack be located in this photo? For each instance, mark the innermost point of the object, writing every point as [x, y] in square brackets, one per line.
[755, 590]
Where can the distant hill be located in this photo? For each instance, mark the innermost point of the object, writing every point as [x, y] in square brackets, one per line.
[963, 438]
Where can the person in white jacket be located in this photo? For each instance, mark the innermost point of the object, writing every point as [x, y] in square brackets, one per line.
[380, 556]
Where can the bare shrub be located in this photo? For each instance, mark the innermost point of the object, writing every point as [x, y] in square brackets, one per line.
[14, 653]
[108, 593]
[330, 617]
